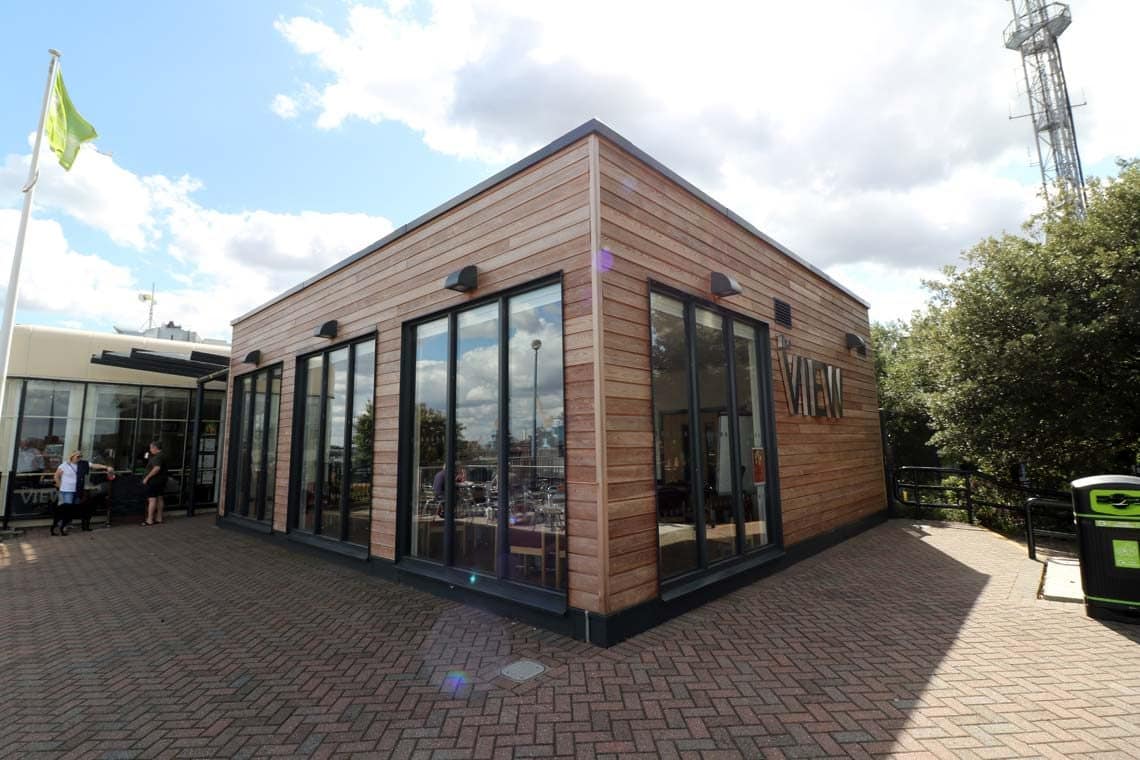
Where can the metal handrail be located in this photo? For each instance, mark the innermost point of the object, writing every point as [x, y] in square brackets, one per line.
[1036, 498]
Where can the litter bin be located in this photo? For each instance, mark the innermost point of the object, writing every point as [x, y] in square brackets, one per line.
[1107, 512]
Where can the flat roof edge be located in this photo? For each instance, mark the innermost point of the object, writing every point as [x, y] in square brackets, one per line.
[593, 126]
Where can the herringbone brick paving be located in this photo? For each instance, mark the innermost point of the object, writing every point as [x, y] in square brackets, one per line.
[189, 641]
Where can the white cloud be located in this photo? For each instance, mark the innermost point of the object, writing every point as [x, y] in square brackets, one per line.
[224, 263]
[285, 107]
[97, 192]
[853, 133]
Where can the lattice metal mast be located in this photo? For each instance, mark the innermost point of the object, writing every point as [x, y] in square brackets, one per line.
[1034, 31]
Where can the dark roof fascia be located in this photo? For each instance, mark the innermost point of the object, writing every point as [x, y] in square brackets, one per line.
[152, 364]
[207, 358]
[591, 127]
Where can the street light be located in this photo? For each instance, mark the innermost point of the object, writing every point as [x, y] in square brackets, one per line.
[535, 344]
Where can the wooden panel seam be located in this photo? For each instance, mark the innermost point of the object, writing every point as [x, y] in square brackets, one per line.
[599, 378]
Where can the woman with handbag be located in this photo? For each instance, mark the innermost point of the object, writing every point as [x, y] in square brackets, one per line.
[70, 478]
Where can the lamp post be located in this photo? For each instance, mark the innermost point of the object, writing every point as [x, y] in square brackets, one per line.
[535, 344]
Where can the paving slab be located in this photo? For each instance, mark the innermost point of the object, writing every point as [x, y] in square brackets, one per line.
[1063, 581]
[189, 641]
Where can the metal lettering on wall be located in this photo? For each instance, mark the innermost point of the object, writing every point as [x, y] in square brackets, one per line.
[814, 388]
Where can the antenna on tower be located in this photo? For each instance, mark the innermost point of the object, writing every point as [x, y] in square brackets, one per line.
[144, 297]
[1034, 31]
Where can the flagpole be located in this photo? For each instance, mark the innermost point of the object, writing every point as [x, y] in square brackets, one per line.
[14, 277]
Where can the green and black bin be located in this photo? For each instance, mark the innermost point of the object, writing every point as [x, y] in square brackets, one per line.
[1107, 511]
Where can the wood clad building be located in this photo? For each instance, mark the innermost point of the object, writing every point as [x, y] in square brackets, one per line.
[582, 393]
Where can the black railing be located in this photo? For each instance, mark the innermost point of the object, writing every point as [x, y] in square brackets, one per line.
[970, 490]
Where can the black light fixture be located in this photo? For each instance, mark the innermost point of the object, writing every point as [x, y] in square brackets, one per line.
[857, 343]
[327, 330]
[722, 284]
[253, 357]
[463, 280]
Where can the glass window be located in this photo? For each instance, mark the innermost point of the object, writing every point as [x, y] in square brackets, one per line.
[715, 441]
[711, 497]
[338, 387]
[165, 404]
[537, 465]
[469, 507]
[750, 420]
[362, 437]
[429, 440]
[310, 440]
[476, 438]
[110, 425]
[669, 357]
[257, 398]
[209, 445]
[46, 432]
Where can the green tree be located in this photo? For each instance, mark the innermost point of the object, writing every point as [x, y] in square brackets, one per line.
[901, 374]
[1031, 352]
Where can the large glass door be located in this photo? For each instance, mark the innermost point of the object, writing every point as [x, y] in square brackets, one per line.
[253, 461]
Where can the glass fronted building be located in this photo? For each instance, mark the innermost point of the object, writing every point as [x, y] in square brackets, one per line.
[58, 401]
[582, 393]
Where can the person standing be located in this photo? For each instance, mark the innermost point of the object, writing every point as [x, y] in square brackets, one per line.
[155, 483]
[70, 478]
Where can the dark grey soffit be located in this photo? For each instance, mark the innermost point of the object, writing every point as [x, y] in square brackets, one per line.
[593, 126]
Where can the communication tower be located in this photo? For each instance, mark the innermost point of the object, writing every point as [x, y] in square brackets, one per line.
[1034, 31]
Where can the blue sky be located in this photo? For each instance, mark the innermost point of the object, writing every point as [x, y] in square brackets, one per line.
[252, 144]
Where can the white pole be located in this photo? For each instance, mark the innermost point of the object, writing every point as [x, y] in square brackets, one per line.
[14, 278]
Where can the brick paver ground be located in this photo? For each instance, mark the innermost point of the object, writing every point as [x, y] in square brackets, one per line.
[190, 641]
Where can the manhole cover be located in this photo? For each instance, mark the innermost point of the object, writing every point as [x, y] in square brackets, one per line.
[522, 670]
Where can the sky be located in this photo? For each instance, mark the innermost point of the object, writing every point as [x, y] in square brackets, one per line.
[246, 146]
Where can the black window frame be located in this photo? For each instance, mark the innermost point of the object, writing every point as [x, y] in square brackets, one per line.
[706, 571]
[235, 496]
[501, 585]
[297, 455]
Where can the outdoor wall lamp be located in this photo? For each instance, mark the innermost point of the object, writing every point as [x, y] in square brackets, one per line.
[722, 284]
[463, 280]
[253, 357]
[327, 330]
[857, 343]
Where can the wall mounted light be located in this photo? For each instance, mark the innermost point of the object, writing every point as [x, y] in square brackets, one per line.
[722, 284]
[463, 280]
[327, 330]
[857, 343]
[253, 357]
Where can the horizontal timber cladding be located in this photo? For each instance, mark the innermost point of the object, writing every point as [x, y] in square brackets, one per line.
[830, 469]
[530, 225]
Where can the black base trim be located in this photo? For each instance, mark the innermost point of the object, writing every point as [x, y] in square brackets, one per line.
[352, 551]
[243, 523]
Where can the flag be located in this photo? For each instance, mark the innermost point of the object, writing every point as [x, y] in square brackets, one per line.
[66, 129]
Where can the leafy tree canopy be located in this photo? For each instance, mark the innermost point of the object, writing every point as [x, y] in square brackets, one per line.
[1031, 352]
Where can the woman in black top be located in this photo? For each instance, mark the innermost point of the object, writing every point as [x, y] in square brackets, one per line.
[155, 482]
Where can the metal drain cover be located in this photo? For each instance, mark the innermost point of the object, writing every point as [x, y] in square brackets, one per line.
[522, 670]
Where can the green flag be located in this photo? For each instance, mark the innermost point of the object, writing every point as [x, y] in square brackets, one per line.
[66, 129]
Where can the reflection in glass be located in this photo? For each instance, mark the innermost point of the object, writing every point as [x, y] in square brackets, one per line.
[165, 404]
[256, 462]
[536, 497]
[429, 440]
[244, 391]
[361, 438]
[716, 440]
[310, 442]
[335, 418]
[751, 424]
[476, 438]
[46, 432]
[669, 359]
[110, 424]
